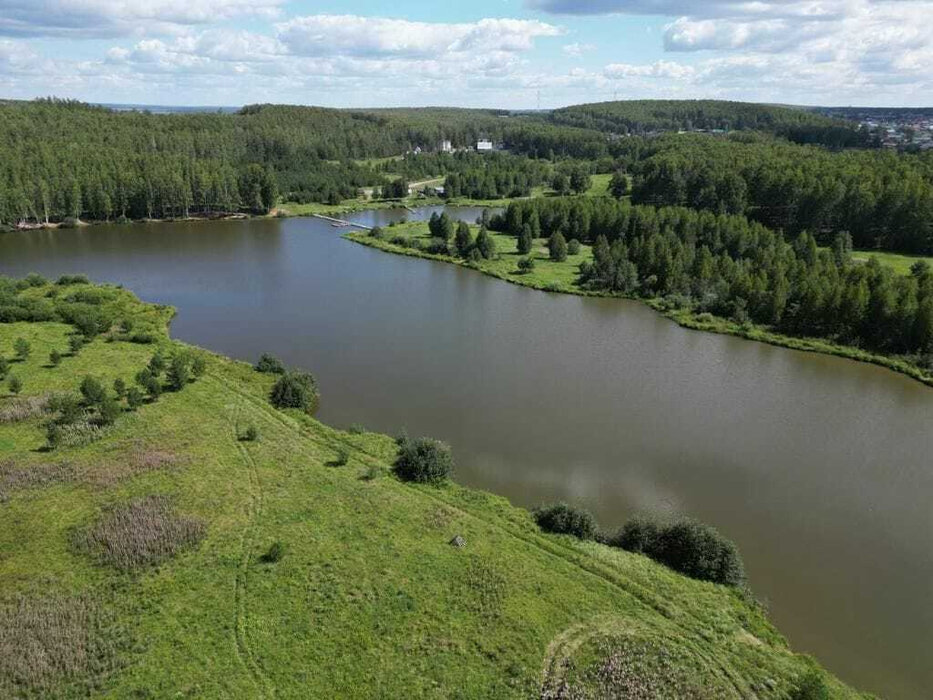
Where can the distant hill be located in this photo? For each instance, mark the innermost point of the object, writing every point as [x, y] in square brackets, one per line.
[640, 117]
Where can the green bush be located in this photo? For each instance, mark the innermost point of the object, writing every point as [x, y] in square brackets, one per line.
[157, 364]
[811, 687]
[108, 410]
[198, 366]
[119, 388]
[424, 461]
[687, 546]
[376, 232]
[75, 343]
[179, 371]
[55, 358]
[4, 367]
[22, 348]
[92, 391]
[275, 553]
[134, 398]
[14, 384]
[251, 434]
[269, 365]
[573, 247]
[294, 390]
[563, 519]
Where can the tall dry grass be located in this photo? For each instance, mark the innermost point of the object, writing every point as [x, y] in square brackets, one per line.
[140, 533]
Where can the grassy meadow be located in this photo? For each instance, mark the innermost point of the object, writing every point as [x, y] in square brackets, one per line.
[173, 558]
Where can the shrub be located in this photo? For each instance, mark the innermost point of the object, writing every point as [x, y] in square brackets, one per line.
[157, 364]
[149, 382]
[22, 348]
[134, 398]
[811, 687]
[4, 367]
[119, 388]
[356, 429]
[108, 410]
[343, 456]
[437, 246]
[376, 232]
[485, 244]
[573, 247]
[269, 365]
[686, 546]
[198, 366]
[526, 265]
[179, 371]
[92, 391]
[66, 280]
[75, 343]
[638, 535]
[294, 390]
[55, 358]
[275, 553]
[563, 519]
[14, 384]
[251, 434]
[399, 241]
[424, 461]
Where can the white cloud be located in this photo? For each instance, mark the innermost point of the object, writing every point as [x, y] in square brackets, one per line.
[668, 70]
[576, 50]
[108, 18]
[324, 35]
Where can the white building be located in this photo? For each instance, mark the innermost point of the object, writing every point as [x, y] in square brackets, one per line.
[484, 145]
[446, 146]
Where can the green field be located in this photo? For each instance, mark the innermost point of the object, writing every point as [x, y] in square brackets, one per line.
[901, 263]
[369, 598]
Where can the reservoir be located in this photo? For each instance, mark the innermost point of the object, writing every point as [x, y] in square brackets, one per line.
[820, 468]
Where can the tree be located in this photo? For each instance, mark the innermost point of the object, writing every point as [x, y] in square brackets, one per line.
[526, 265]
[134, 398]
[157, 364]
[485, 244]
[92, 391]
[842, 248]
[525, 240]
[463, 240]
[424, 460]
[4, 366]
[618, 185]
[294, 390]
[15, 384]
[119, 388]
[560, 183]
[22, 348]
[441, 226]
[579, 180]
[75, 343]
[179, 371]
[557, 247]
[108, 411]
[55, 358]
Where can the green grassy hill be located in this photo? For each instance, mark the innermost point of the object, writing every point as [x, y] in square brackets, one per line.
[138, 565]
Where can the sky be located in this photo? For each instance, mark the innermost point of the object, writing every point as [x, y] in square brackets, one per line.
[515, 54]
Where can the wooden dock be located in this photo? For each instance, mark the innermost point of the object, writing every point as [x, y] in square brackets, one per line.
[341, 222]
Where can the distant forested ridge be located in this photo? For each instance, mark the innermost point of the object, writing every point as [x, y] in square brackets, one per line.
[647, 116]
[66, 159]
[883, 199]
[735, 268]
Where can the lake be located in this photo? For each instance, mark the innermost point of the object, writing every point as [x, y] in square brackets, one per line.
[819, 468]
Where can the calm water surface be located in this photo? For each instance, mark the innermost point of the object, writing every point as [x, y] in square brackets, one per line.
[820, 468]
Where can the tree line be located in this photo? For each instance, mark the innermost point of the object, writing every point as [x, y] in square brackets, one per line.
[735, 268]
[883, 199]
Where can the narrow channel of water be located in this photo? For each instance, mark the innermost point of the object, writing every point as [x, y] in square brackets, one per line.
[820, 468]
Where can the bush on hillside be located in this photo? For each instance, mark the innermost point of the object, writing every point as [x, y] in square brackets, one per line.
[562, 519]
[424, 460]
[294, 390]
[812, 686]
[687, 546]
[270, 365]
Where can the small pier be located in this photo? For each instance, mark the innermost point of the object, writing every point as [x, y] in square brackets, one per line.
[341, 223]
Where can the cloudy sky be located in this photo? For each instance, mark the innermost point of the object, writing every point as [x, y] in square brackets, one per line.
[495, 53]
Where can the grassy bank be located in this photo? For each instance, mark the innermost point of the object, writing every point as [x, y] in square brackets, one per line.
[365, 596]
[901, 263]
[562, 277]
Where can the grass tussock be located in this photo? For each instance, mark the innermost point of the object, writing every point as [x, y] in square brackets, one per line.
[140, 533]
[56, 646]
[15, 477]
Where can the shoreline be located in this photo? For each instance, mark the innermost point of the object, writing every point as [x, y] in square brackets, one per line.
[685, 319]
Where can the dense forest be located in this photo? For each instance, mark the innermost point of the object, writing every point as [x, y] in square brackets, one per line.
[71, 160]
[883, 199]
[732, 267]
[648, 116]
